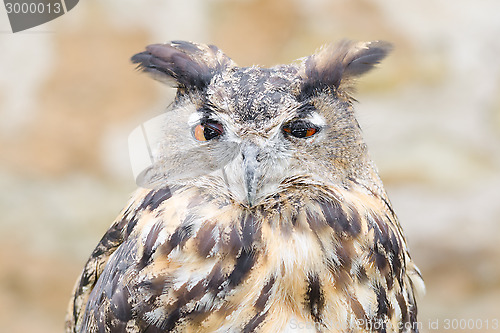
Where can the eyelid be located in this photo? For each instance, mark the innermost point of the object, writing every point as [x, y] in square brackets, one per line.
[215, 126]
[199, 131]
[302, 128]
[201, 117]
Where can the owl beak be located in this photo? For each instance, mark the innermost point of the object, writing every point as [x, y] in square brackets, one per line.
[250, 155]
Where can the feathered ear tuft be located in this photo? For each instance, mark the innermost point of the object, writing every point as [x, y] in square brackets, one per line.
[334, 66]
[182, 64]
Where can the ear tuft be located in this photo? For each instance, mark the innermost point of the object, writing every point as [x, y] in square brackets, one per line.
[363, 56]
[336, 65]
[182, 64]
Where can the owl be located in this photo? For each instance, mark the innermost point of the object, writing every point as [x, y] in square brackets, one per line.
[262, 211]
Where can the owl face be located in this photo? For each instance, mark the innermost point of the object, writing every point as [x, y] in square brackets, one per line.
[256, 130]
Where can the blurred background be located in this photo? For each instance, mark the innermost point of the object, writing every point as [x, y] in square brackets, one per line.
[69, 97]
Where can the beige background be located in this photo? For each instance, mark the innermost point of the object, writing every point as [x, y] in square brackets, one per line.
[430, 113]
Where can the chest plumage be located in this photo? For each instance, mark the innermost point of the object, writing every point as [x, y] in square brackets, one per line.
[262, 213]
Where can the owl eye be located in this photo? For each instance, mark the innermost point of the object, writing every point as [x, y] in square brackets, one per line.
[300, 129]
[207, 131]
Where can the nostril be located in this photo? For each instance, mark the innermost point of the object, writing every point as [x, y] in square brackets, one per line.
[255, 157]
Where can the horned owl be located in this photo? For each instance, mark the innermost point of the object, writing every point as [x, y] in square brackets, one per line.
[262, 213]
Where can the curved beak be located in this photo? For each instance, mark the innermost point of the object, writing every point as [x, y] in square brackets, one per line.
[251, 170]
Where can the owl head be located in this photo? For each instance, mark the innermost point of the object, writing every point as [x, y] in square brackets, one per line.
[250, 132]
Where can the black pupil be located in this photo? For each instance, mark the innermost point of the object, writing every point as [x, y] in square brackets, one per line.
[299, 132]
[210, 132]
[299, 129]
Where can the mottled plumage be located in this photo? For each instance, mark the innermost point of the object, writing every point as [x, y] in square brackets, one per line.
[262, 213]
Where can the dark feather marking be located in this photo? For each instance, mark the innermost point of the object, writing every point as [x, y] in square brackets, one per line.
[215, 278]
[314, 296]
[172, 320]
[379, 259]
[152, 329]
[244, 264]
[246, 257]
[264, 295]
[397, 260]
[342, 277]
[293, 218]
[149, 244]
[382, 235]
[178, 310]
[87, 276]
[389, 279]
[152, 289]
[196, 292]
[234, 242]
[110, 282]
[390, 263]
[361, 275]
[336, 217]
[383, 306]
[402, 306]
[249, 231]
[344, 253]
[119, 304]
[168, 323]
[110, 241]
[180, 236]
[131, 225]
[358, 310]
[396, 247]
[413, 312]
[314, 220]
[116, 267]
[355, 222]
[331, 265]
[113, 237]
[154, 198]
[205, 239]
[185, 295]
[380, 239]
[154, 286]
[254, 322]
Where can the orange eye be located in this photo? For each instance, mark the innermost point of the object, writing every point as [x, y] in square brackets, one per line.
[207, 131]
[300, 129]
